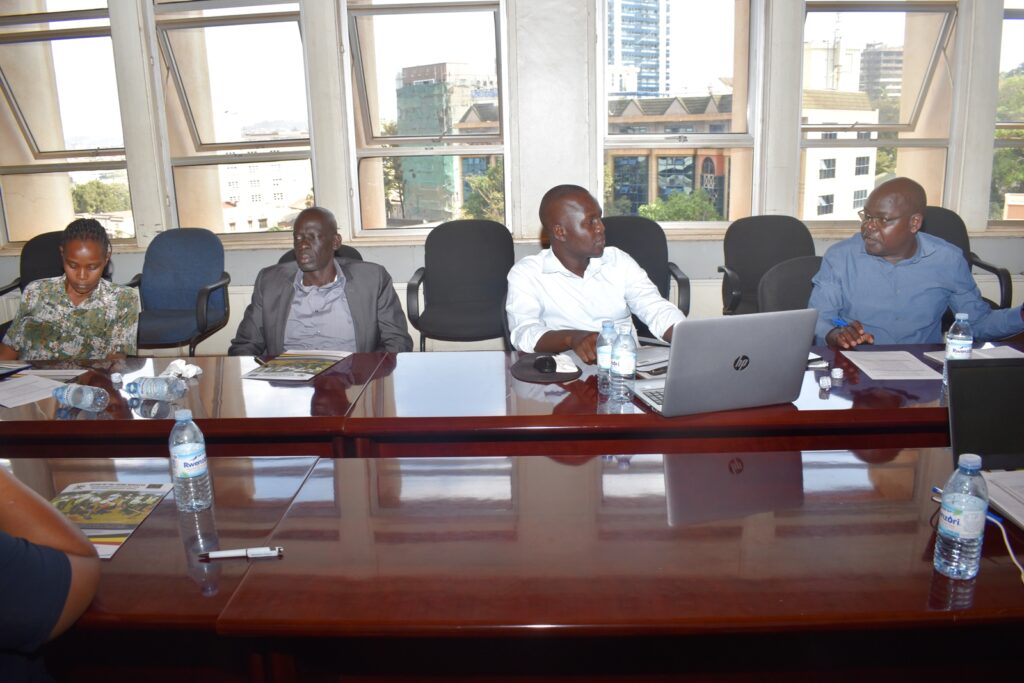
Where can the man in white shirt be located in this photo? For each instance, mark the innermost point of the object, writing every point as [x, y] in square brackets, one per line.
[558, 298]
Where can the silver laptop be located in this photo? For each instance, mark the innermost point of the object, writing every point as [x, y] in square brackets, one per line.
[736, 361]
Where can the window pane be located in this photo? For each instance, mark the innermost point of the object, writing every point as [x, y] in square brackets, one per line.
[853, 64]
[16, 8]
[664, 77]
[243, 83]
[851, 184]
[42, 202]
[427, 87]
[243, 197]
[417, 191]
[669, 186]
[1007, 196]
[66, 91]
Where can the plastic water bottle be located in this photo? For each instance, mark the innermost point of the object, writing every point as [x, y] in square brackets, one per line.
[158, 388]
[605, 340]
[623, 370]
[962, 520]
[155, 410]
[189, 471]
[959, 341]
[92, 399]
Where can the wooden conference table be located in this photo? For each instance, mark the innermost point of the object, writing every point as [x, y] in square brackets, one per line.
[467, 403]
[647, 567]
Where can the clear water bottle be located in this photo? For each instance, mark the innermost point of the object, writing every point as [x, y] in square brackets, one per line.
[189, 470]
[604, 356]
[199, 535]
[959, 341]
[92, 399]
[623, 370]
[962, 520]
[158, 388]
[154, 410]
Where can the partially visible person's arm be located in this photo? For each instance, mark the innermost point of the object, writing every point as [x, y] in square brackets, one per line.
[249, 339]
[987, 323]
[25, 514]
[645, 301]
[7, 353]
[124, 335]
[391, 322]
[582, 342]
[828, 299]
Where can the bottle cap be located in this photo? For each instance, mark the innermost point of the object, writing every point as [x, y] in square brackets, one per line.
[182, 415]
[969, 461]
[961, 316]
[837, 373]
[116, 378]
[825, 382]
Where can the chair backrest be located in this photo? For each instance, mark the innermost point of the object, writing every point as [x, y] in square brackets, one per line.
[40, 258]
[179, 262]
[948, 225]
[786, 286]
[467, 261]
[344, 251]
[644, 240]
[754, 244]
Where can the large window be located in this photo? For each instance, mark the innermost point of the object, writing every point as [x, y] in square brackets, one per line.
[677, 146]
[429, 130]
[1007, 198]
[236, 115]
[62, 155]
[875, 99]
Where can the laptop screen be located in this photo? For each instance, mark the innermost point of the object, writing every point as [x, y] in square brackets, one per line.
[985, 411]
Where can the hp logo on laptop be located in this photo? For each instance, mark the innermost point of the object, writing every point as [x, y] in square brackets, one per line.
[740, 363]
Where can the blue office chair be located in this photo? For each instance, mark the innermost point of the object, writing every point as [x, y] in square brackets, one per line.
[183, 289]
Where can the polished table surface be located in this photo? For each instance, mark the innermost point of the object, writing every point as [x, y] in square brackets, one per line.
[238, 416]
[630, 545]
[468, 403]
[154, 580]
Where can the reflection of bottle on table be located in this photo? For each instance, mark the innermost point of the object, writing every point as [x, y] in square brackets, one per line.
[199, 535]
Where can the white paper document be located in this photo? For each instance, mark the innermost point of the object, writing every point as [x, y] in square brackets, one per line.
[891, 365]
[1006, 494]
[24, 389]
[989, 353]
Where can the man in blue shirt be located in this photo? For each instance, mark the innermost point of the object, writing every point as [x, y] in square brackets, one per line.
[891, 283]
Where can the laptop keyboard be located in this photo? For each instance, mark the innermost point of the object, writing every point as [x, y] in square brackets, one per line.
[656, 395]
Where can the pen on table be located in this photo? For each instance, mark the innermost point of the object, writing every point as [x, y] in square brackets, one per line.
[991, 516]
[241, 553]
[259, 361]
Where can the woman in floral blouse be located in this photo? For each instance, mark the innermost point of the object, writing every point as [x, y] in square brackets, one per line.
[79, 314]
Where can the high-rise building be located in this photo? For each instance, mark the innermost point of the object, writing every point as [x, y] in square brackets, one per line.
[638, 47]
[881, 70]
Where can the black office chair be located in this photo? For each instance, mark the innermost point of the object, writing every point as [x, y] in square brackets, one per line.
[787, 286]
[752, 245]
[40, 258]
[464, 278]
[948, 225]
[183, 289]
[644, 240]
[344, 251]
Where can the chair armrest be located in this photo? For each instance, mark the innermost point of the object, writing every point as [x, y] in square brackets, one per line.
[135, 281]
[731, 292]
[10, 286]
[1005, 284]
[204, 296]
[412, 296]
[683, 285]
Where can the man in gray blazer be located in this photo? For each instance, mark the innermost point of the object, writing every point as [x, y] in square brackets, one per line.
[320, 301]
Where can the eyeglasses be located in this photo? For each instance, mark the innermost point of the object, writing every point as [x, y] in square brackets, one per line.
[865, 217]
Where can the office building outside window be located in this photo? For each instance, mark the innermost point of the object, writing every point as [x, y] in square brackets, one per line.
[677, 147]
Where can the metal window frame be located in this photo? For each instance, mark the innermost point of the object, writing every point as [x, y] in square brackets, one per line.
[371, 145]
[48, 36]
[948, 9]
[163, 30]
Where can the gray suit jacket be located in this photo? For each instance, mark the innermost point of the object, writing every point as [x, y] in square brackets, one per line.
[376, 313]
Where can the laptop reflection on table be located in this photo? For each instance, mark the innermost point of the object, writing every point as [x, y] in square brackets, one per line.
[704, 487]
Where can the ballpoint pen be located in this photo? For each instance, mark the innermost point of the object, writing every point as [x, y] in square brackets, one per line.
[241, 553]
[839, 322]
